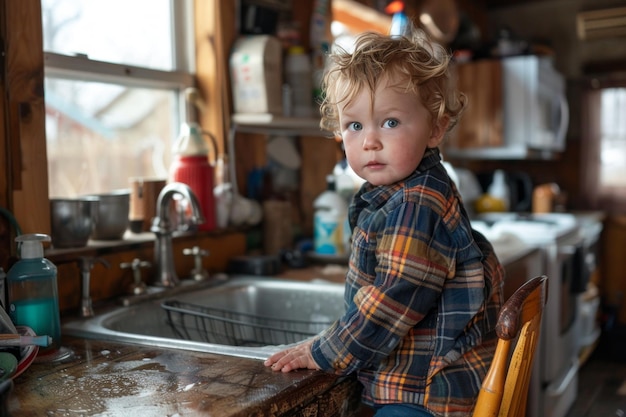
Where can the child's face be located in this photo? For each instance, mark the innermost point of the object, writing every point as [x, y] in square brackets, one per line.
[385, 140]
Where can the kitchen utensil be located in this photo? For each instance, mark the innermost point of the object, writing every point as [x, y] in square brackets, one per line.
[73, 221]
[18, 340]
[113, 211]
[27, 353]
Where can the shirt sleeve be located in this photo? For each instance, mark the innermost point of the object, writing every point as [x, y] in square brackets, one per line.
[412, 263]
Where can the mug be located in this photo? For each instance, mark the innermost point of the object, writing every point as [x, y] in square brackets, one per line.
[144, 193]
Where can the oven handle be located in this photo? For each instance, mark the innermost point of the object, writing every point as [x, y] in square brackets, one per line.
[567, 251]
[565, 382]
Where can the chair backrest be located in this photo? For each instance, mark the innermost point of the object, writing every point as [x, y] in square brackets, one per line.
[505, 388]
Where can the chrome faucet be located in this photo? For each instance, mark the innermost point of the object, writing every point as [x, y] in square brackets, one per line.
[85, 263]
[161, 227]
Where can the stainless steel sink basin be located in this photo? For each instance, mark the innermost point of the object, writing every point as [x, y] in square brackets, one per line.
[245, 316]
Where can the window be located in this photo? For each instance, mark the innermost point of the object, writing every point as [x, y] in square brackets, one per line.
[613, 138]
[115, 73]
[604, 144]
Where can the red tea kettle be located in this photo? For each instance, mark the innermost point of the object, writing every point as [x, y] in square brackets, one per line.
[191, 166]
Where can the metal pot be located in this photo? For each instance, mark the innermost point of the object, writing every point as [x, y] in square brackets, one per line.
[72, 221]
[112, 215]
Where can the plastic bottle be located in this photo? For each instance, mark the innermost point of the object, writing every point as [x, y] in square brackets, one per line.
[331, 212]
[399, 20]
[497, 197]
[299, 76]
[191, 166]
[33, 293]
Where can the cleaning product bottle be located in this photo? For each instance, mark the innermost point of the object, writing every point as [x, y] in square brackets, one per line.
[399, 20]
[331, 211]
[33, 293]
[497, 197]
[299, 77]
[191, 166]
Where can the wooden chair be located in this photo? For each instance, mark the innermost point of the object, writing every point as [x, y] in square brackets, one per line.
[505, 388]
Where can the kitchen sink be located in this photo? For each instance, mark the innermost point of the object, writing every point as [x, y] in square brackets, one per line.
[246, 316]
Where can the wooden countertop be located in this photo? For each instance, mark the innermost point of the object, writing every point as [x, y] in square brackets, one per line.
[111, 379]
[105, 378]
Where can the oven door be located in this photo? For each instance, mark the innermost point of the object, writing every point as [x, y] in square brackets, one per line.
[559, 332]
[559, 349]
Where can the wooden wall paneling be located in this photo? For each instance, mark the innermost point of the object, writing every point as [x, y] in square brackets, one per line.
[25, 112]
[215, 25]
[5, 234]
[613, 265]
[319, 157]
[107, 283]
[481, 124]
[4, 165]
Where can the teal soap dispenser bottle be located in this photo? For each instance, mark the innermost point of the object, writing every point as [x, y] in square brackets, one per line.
[32, 290]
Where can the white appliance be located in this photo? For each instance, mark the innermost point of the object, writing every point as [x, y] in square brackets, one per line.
[536, 113]
[555, 376]
[256, 75]
[520, 112]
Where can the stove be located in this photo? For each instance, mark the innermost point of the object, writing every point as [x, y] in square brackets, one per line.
[557, 235]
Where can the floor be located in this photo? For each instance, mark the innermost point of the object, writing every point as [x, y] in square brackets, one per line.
[602, 381]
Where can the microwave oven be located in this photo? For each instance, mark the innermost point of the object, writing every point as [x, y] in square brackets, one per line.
[536, 113]
[517, 109]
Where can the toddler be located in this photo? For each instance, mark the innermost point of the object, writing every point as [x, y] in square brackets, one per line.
[423, 289]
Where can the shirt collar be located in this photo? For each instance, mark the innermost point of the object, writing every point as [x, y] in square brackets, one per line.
[374, 195]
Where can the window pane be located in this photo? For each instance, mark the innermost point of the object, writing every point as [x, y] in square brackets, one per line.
[613, 148]
[101, 135]
[137, 32]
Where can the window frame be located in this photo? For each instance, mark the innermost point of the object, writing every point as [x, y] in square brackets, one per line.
[607, 198]
[24, 183]
[80, 67]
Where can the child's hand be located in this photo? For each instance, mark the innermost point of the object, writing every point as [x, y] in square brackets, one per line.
[297, 357]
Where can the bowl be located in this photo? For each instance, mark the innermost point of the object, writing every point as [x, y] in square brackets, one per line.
[112, 218]
[73, 221]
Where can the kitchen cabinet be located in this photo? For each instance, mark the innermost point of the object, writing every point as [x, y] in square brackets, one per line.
[481, 124]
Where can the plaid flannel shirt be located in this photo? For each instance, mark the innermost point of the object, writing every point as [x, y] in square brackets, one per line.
[423, 291]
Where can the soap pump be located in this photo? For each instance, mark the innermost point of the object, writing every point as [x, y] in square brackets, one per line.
[33, 293]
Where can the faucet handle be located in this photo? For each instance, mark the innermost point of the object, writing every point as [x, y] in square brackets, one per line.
[198, 273]
[86, 263]
[138, 287]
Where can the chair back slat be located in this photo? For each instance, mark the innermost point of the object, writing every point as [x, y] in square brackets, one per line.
[504, 391]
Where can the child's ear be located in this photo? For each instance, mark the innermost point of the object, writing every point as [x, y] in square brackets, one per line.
[438, 131]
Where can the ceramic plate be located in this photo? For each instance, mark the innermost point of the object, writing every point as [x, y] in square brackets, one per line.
[8, 365]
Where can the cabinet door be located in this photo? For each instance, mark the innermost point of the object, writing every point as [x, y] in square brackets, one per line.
[481, 124]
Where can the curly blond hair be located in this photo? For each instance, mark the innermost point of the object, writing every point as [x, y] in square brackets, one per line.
[414, 58]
